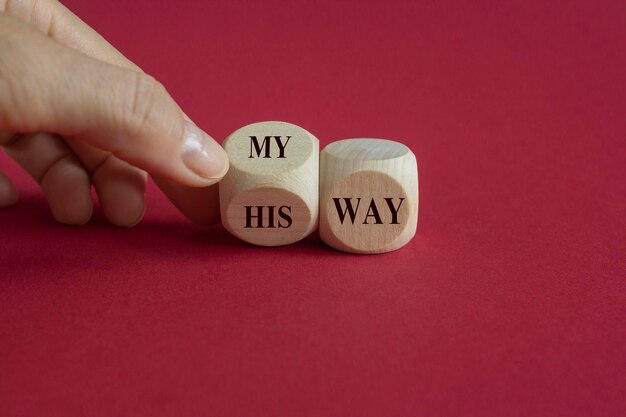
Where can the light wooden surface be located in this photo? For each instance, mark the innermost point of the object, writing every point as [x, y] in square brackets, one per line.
[270, 195]
[368, 195]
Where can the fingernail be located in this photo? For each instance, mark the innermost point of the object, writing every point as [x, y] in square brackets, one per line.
[203, 155]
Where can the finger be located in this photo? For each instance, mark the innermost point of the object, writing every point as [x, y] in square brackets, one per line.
[200, 205]
[56, 21]
[120, 187]
[121, 190]
[67, 188]
[125, 112]
[63, 179]
[8, 192]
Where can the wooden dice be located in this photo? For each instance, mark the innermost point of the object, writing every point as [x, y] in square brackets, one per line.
[364, 190]
[269, 196]
[368, 195]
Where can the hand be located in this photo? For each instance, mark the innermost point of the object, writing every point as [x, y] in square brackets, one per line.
[75, 112]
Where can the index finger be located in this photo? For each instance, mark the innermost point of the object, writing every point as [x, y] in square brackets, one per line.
[59, 23]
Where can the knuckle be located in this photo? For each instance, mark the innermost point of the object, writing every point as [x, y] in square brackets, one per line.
[143, 94]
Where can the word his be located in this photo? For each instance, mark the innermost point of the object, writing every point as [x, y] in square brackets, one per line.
[284, 214]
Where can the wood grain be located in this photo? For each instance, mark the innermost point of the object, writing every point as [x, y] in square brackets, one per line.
[368, 195]
[270, 195]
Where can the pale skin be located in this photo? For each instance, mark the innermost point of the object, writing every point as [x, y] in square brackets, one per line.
[74, 112]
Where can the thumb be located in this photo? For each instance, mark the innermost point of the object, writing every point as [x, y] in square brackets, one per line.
[45, 86]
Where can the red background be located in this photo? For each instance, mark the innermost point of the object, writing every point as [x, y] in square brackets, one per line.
[510, 301]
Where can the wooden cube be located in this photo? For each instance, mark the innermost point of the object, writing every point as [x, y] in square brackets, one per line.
[270, 195]
[368, 195]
